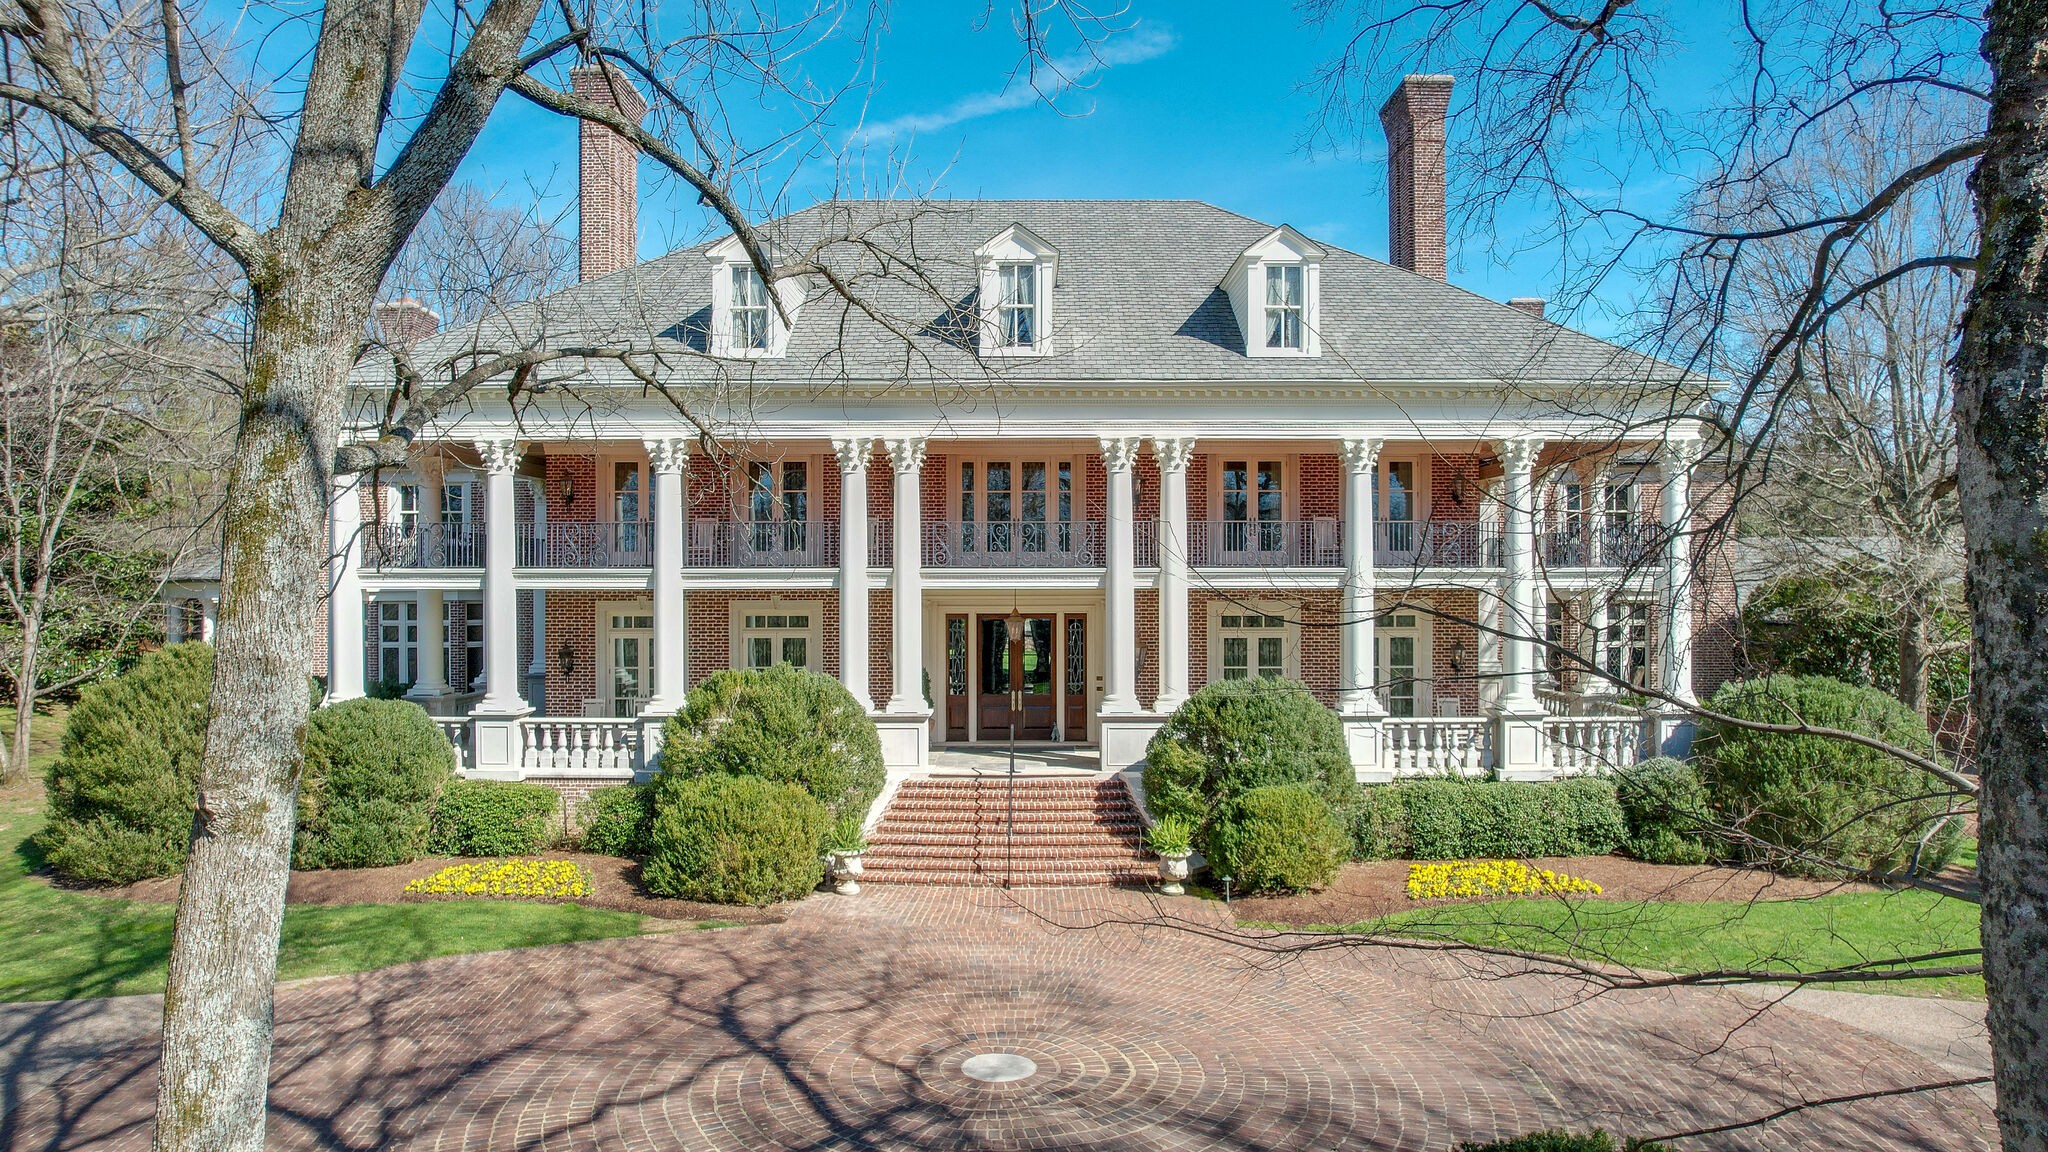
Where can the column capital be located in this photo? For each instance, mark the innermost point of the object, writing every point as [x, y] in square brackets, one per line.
[853, 452]
[1681, 454]
[1518, 453]
[1119, 453]
[906, 454]
[1360, 453]
[1173, 452]
[669, 454]
[500, 456]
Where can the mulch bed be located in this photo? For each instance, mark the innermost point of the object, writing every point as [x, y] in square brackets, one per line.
[615, 882]
[1379, 888]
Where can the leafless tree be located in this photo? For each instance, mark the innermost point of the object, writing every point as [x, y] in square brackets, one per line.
[473, 256]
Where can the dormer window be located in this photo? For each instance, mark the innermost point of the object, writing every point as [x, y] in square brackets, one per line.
[1286, 305]
[1274, 288]
[1018, 273]
[750, 309]
[746, 322]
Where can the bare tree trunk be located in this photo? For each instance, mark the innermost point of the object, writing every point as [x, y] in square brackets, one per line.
[217, 1013]
[2002, 431]
[1913, 656]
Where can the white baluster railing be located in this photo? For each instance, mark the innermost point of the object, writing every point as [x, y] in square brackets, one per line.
[1579, 744]
[574, 746]
[1441, 746]
[456, 729]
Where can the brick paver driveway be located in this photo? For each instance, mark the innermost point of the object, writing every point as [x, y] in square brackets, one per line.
[846, 1028]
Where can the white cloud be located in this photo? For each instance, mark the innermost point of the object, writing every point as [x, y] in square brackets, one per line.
[1078, 69]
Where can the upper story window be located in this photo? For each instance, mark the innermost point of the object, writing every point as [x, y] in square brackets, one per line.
[778, 507]
[1018, 273]
[750, 309]
[1274, 288]
[750, 314]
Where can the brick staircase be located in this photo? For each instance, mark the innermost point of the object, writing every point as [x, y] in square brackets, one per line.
[1068, 834]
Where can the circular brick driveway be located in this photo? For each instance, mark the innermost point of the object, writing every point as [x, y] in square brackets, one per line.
[847, 1026]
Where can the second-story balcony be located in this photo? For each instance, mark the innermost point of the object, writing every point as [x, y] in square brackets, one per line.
[1020, 544]
[1437, 544]
[1266, 543]
[1601, 545]
[587, 544]
[422, 545]
[764, 544]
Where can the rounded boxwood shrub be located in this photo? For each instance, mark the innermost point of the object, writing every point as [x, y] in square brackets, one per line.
[374, 769]
[734, 840]
[1457, 819]
[494, 818]
[1237, 735]
[1665, 807]
[782, 724]
[1282, 837]
[613, 820]
[125, 784]
[1799, 797]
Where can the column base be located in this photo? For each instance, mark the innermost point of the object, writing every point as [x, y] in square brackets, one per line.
[1671, 734]
[1519, 751]
[1123, 736]
[426, 691]
[500, 751]
[906, 740]
[1362, 740]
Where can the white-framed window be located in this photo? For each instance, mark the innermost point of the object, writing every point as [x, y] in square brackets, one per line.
[472, 639]
[407, 511]
[1625, 650]
[1249, 640]
[1016, 507]
[1018, 270]
[1017, 305]
[629, 504]
[751, 314]
[1398, 666]
[1254, 505]
[627, 678]
[1286, 307]
[778, 506]
[398, 642]
[771, 633]
[750, 310]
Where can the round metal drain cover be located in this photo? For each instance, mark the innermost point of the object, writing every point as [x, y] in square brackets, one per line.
[997, 1067]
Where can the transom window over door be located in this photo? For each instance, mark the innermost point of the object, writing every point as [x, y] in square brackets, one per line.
[1252, 506]
[1010, 507]
[778, 506]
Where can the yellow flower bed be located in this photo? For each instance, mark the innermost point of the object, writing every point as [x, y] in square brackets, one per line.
[1454, 878]
[543, 878]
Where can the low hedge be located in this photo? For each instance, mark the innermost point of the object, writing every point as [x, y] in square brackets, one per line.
[1664, 805]
[1468, 819]
[734, 840]
[494, 818]
[613, 821]
[1281, 838]
[374, 769]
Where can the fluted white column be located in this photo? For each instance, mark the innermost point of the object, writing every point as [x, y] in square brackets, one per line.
[1173, 456]
[1120, 578]
[669, 458]
[1675, 461]
[1517, 491]
[345, 591]
[501, 601]
[906, 577]
[1356, 696]
[854, 643]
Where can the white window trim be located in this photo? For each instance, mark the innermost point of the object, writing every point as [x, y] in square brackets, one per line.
[606, 609]
[1290, 634]
[813, 646]
[1290, 479]
[1246, 286]
[788, 291]
[1425, 652]
[1016, 245]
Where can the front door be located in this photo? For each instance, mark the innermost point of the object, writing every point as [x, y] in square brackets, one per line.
[632, 663]
[956, 678]
[1021, 670]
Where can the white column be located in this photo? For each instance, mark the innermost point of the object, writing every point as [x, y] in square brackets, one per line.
[1595, 683]
[1173, 456]
[500, 603]
[1675, 462]
[854, 643]
[670, 464]
[209, 617]
[1356, 696]
[345, 591]
[906, 578]
[1120, 579]
[433, 677]
[1521, 619]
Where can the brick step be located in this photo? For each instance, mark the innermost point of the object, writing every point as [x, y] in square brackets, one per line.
[1044, 834]
[947, 838]
[1021, 853]
[954, 813]
[1045, 825]
[1019, 878]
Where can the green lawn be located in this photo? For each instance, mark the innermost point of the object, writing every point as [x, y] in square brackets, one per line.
[1803, 935]
[63, 944]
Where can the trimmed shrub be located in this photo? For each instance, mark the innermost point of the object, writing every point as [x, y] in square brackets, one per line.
[1665, 807]
[613, 820]
[1466, 819]
[1828, 798]
[1282, 837]
[1237, 735]
[493, 818]
[373, 771]
[734, 840]
[1558, 1140]
[782, 724]
[122, 792]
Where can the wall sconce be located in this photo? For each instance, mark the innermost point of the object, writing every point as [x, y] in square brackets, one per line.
[1459, 654]
[566, 489]
[565, 659]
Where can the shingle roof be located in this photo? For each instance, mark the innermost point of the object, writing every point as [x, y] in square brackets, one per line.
[1138, 299]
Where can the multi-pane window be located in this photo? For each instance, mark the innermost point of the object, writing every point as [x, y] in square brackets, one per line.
[472, 641]
[1009, 506]
[629, 503]
[771, 638]
[398, 642]
[1017, 305]
[778, 506]
[1393, 504]
[1286, 301]
[632, 661]
[1252, 506]
[1621, 504]
[1253, 644]
[1627, 656]
[455, 507]
[1394, 650]
[749, 309]
[408, 510]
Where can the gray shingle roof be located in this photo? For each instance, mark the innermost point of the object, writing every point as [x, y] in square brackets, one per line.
[1137, 299]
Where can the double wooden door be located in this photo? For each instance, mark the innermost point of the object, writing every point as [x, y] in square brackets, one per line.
[1041, 676]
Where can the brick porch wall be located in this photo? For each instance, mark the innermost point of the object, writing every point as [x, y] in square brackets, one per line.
[1320, 486]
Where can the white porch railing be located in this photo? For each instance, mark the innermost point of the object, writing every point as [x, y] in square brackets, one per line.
[1577, 744]
[456, 729]
[1436, 746]
[587, 744]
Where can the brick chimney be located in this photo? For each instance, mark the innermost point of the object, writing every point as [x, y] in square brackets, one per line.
[405, 322]
[1533, 305]
[1413, 119]
[608, 192]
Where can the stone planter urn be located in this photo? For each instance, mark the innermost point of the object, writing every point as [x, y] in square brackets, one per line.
[1173, 869]
[845, 869]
